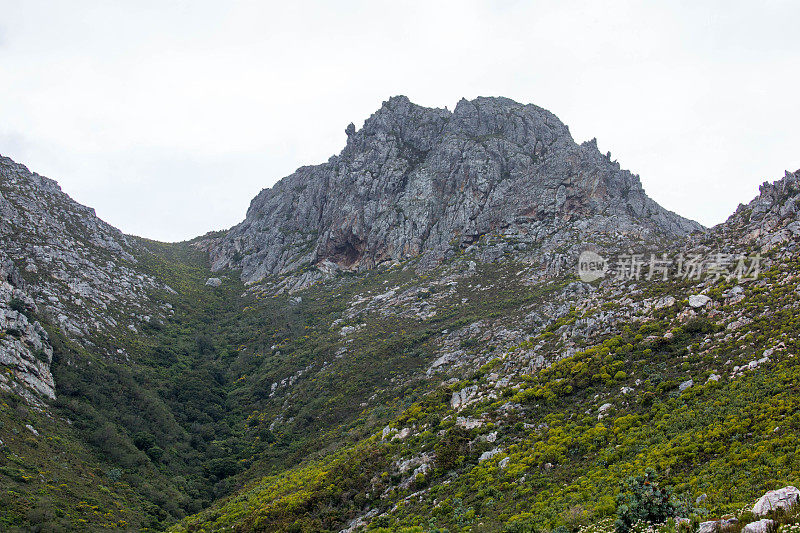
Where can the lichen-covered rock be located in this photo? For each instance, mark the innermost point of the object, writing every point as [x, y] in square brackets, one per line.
[485, 456]
[709, 526]
[698, 300]
[771, 218]
[460, 398]
[25, 352]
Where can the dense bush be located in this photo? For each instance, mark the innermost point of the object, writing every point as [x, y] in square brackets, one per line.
[17, 305]
[641, 499]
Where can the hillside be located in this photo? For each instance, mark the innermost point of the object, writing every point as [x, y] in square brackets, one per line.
[546, 409]
[399, 338]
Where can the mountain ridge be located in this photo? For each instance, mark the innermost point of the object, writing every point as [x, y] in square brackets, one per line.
[416, 181]
[474, 383]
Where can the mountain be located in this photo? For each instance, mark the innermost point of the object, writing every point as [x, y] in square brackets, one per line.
[403, 339]
[425, 182]
[61, 262]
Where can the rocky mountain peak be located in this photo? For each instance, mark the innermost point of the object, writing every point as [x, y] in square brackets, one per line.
[769, 219]
[422, 182]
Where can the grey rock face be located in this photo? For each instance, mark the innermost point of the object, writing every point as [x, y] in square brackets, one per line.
[710, 526]
[423, 182]
[25, 352]
[698, 300]
[66, 266]
[460, 398]
[771, 218]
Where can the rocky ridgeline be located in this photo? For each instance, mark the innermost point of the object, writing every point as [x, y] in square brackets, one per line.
[770, 219]
[62, 264]
[571, 316]
[420, 182]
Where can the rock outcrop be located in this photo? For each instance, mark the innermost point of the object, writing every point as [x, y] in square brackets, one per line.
[420, 182]
[25, 353]
[760, 526]
[61, 264]
[771, 218]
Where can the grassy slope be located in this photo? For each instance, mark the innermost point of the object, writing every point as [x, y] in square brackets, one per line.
[191, 418]
[186, 419]
[731, 440]
[54, 481]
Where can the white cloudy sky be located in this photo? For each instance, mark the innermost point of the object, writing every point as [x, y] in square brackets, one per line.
[168, 117]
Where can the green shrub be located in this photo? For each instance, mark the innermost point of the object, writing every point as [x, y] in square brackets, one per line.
[17, 305]
[114, 474]
[641, 498]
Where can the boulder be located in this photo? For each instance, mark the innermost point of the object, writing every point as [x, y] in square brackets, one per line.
[402, 434]
[460, 398]
[708, 527]
[485, 456]
[603, 409]
[776, 499]
[762, 526]
[698, 300]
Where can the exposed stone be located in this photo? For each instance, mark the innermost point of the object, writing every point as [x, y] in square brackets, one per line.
[414, 179]
[82, 277]
[709, 526]
[698, 300]
[402, 434]
[603, 409]
[776, 499]
[468, 423]
[460, 398]
[485, 456]
[764, 525]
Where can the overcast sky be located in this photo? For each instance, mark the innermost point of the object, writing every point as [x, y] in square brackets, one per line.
[169, 117]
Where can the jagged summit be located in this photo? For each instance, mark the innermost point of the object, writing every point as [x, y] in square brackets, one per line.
[417, 181]
[770, 219]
